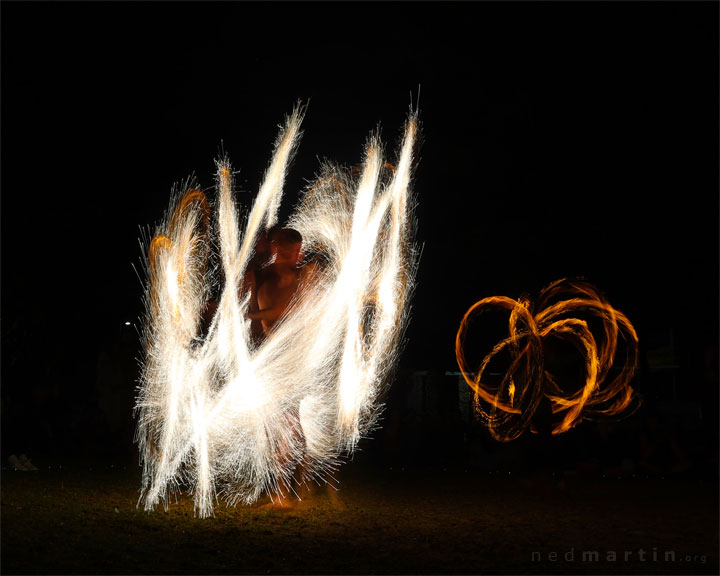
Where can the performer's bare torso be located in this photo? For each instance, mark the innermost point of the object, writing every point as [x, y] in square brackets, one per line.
[273, 278]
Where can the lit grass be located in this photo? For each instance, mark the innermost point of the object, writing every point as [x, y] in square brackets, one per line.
[385, 521]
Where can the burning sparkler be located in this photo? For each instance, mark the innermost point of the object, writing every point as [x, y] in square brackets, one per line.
[289, 372]
[512, 405]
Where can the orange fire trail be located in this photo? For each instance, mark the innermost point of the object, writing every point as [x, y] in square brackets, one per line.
[571, 311]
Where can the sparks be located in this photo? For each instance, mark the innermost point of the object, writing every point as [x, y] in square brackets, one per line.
[273, 387]
[566, 311]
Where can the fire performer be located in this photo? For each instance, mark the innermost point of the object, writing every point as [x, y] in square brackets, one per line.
[275, 278]
[285, 374]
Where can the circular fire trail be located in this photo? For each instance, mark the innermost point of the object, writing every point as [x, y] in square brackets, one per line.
[285, 375]
[570, 322]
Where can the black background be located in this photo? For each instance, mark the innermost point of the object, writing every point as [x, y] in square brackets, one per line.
[559, 139]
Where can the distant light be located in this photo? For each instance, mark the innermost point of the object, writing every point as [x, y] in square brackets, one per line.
[127, 323]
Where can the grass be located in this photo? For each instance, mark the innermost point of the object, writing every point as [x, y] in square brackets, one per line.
[386, 521]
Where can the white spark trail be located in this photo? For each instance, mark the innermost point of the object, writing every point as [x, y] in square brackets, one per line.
[235, 418]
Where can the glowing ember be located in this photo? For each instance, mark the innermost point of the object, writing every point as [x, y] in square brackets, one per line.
[533, 357]
[286, 378]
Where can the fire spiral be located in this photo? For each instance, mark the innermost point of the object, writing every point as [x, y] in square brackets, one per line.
[568, 315]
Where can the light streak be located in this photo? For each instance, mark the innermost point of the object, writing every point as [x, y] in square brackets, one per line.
[233, 416]
[572, 311]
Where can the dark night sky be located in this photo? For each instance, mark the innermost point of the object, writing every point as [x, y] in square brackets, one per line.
[559, 139]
